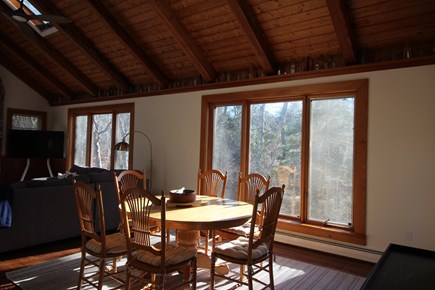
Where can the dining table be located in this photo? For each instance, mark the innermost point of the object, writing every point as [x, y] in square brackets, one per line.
[205, 213]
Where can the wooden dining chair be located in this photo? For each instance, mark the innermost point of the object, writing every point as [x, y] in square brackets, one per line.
[248, 186]
[212, 183]
[96, 244]
[127, 179]
[132, 178]
[255, 249]
[157, 259]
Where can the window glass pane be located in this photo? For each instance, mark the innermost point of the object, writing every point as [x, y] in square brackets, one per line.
[122, 128]
[26, 122]
[226, 145]
[275, 143]
[331, 160]
[81, 131]
[101, 140]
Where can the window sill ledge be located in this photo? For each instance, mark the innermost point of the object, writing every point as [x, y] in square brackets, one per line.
[342, 235]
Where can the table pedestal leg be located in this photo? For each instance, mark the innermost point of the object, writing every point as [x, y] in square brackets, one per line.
[188, 238]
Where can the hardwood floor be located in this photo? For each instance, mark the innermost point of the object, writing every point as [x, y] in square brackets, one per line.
[34, 255]
[23, 258]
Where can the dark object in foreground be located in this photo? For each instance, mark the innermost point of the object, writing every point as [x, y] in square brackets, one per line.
[402, 267]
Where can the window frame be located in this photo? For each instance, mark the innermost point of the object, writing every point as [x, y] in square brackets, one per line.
[89, 112]
[355, 234]
[39, 114]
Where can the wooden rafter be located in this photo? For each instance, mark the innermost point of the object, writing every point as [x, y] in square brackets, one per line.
[184, 40]
[39, 67]
[258, 41]
[342, 29]
[146, 62]
[86, 46]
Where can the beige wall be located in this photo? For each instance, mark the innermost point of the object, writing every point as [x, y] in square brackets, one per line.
[401, 155]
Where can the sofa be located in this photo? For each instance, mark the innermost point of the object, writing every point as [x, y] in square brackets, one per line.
[45, 211]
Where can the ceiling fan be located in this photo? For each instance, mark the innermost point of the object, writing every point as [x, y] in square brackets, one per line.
[21, 16]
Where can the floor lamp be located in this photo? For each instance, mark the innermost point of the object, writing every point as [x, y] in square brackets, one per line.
[124, 146]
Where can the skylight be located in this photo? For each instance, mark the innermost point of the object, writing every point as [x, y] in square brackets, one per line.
[43, 28]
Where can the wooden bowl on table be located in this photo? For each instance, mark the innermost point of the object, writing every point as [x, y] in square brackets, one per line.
[182, 196]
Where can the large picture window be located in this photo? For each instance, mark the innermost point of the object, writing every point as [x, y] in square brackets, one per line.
[94, 133]
[311, 138]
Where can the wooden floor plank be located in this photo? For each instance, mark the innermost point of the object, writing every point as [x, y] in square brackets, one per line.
[35, 255]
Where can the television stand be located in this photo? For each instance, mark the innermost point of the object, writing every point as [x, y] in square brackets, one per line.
[28, 165]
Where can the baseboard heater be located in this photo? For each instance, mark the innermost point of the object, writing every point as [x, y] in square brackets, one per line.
[281, 237]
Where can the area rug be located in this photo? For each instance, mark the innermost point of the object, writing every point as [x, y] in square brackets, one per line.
[62, 273]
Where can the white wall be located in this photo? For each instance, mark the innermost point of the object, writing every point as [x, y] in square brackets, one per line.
[20, 96]
[401, 155]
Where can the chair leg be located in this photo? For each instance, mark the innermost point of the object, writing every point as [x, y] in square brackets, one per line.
[212, 269]
[272, 287]
[82, 270]
[186, 276]
[101, 273]
[176, 237]
[242, 272]
[115, 268]
[194, 269]
[213, 240]
[250, 275]
[160, 281]
[127, 279]
[206, 242]
[168, 236]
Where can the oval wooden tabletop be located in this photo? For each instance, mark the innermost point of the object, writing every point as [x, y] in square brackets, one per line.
[207, 213]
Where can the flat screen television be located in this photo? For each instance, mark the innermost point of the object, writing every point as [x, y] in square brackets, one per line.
[35, 144]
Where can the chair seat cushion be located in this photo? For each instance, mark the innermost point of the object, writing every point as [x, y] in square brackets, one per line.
[238, 249]
[174, 255]
[243, 230]
[115, 244]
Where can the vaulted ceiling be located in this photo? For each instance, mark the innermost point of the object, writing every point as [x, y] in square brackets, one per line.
[127, 48]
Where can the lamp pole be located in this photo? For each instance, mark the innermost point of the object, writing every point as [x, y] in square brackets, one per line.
[124, 146]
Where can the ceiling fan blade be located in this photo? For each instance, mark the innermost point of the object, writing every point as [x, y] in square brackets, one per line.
[51, 18]
[26, 29]
[6, 13]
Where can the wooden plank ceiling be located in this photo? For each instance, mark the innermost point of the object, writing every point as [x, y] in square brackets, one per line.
[123, 48]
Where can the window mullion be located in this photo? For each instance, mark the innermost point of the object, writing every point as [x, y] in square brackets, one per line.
[89, 139]
[244, 154]
[112, 143]
[304, 158]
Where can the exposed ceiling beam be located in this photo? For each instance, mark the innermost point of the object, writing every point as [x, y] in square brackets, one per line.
[184, 40]
[257, 39]
[342, 29]
[86, 46]
[39, 67]
[148, 65]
